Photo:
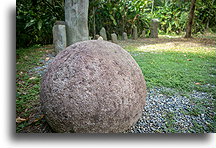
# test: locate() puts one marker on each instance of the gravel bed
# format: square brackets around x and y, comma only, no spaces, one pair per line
[173,113]
[176,113]
[40,70]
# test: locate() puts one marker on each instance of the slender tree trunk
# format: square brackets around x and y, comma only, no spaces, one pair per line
[123,19]
[123,24]
[94,26]
[190,19]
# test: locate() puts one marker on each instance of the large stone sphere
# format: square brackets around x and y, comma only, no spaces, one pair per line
[93,87]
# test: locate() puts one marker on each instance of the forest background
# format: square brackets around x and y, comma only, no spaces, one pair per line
[35,18]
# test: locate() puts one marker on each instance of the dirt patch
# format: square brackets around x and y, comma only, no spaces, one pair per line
[168,43]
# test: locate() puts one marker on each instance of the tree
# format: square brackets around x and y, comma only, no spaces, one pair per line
[190,19]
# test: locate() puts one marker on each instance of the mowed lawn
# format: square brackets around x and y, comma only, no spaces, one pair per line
[182,64]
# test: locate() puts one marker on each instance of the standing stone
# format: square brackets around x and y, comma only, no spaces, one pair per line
[154,28]
[114,38]
[143,34]
[103,33]
[59,36]
[76,18]
[124,36]
[135,36]
[93,86]
[100,38]
[96,36]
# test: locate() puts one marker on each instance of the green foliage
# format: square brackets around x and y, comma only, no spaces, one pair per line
[205,16]
[122,15]
[117,16]
[34,21]
[172,18]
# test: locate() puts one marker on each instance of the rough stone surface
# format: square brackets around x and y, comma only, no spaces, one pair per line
[135,35]
[143,34]
[124,36]
[59,36]
[93,87]
[114,38]
[100,38]
[154,28]
[76,18]
[60,23]
[103,33]
[96,36]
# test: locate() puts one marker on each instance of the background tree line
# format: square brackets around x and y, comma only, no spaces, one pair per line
[35,18]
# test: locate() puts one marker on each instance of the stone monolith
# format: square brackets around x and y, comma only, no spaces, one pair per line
[76,18]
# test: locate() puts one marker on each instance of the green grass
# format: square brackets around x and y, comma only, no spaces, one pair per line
[187,70]
[170,123]
[182,65]
[27,82]
[27,88]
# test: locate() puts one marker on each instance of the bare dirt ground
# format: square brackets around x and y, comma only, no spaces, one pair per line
[169,43]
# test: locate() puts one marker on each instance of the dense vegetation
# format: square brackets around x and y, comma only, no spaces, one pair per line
[35,18]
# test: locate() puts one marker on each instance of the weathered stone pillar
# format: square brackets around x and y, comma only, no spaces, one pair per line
[114,38]
[124,36]
[96,36]
[103,33]
[59,36]
[143,34]
[135,36]
[154,28]
[100,38]
[76,18]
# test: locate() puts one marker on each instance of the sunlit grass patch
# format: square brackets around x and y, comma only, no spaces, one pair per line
[184,67]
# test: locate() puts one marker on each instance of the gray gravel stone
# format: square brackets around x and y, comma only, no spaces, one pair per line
[162,110]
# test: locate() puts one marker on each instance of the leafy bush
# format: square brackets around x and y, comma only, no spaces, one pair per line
[205,16]
[34,21]
[173,18]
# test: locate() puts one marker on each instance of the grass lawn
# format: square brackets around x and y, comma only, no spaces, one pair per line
[181,64]
[28,86]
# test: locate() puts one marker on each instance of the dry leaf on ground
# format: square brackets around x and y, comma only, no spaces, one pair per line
[19,120]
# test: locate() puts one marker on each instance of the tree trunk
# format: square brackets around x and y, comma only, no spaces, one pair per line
[94,25]
[190,19]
